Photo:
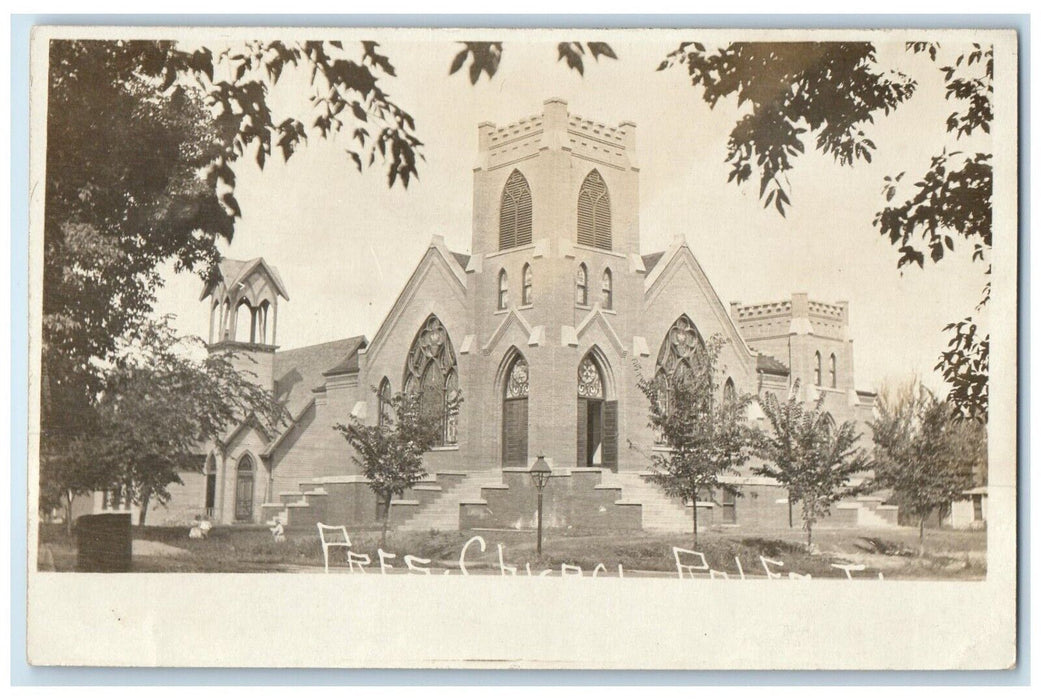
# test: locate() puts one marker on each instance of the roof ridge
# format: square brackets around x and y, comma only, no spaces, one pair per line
[322,344]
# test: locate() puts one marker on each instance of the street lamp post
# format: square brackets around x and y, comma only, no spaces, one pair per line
[540,473]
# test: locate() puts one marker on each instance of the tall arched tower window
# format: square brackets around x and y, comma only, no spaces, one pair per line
[526,285]
[594,212]
[515,212]
[817,369]
[582,285]
[607,289]
[832,378]
[430,370]
[504,291]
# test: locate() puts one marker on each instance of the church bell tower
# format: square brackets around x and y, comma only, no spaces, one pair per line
[244,298]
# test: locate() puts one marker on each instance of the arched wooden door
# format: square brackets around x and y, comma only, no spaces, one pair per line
[597,419]
[244,478]
[515,416]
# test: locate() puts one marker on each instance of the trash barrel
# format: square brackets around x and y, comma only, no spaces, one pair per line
[103,542]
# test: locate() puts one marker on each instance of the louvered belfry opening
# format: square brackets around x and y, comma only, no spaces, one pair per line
[515,212]
[594,212]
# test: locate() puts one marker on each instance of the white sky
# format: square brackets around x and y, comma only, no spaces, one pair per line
[345,244]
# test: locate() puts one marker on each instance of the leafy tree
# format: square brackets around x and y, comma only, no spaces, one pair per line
[952,200]
[142,140]
[703,429]
[484,56]
[390,453]
[811,457]
[162,399]
[65,477]
[923,451]
[791,92]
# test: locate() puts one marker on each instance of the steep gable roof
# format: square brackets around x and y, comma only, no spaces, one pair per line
[234,271]
[299,371]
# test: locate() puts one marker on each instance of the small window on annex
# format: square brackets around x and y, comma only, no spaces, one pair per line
[607,289]
[526,280]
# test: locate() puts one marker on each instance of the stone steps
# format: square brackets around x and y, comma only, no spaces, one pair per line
[443,513]
[660,512]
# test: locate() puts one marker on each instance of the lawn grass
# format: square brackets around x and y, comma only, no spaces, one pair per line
[950,554]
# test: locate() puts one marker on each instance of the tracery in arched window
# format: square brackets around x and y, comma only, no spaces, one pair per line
[430,370]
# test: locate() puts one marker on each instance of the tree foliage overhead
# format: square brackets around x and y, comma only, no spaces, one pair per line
[951,202]
[484,56]
[703,429]
[142,140]
[790,92]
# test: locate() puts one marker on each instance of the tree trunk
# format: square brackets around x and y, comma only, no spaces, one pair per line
[921,536]
[695,509]
[790,520]
[386,521]
[809,535]
[144,510]
[68,512]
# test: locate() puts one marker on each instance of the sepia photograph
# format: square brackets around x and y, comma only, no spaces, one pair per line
[603,333]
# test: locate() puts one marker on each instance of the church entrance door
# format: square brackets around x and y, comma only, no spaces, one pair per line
[515,433]
[244,490]
[594,432]
[515,416]
[597,420]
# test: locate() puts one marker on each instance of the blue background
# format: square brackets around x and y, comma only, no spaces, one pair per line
[23,674]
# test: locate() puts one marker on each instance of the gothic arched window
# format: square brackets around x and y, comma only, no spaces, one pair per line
[607,289]
[678,349]
[829,423]
[386,407]
[594,212]
[515,212]
[243,315]
[582,286]
[504,291]
[817,369]
[831,371]
[526,285]
[729,391]
[430,370]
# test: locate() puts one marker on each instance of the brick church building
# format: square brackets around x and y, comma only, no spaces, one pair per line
[539,328]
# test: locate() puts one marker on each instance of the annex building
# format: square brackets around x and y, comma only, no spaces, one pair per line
[540,327]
